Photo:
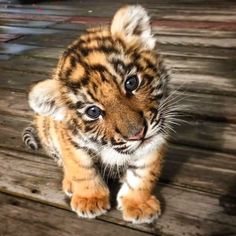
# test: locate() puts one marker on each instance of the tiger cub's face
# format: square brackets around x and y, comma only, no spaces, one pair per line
[108,86]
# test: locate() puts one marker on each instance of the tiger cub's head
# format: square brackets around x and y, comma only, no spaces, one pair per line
[109,85]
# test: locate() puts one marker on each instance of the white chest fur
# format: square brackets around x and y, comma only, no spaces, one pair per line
[111,157]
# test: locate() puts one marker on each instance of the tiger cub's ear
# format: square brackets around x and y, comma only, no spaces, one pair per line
[132,23]
[44,98]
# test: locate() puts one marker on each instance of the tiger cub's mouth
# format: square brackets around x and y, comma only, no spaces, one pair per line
[132,146]
[146,141]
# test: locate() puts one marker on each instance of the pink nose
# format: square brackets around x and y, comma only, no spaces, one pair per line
[139,135]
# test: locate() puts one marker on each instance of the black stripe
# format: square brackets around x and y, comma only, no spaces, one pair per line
[91,39]
[122,150]
[30,138]
[89,127]
[117,130]
[79,105]
[129,186]
[107,50]
[154,112]
[85,81]
[137,167]
[136,174]
[92,96]
[73,61]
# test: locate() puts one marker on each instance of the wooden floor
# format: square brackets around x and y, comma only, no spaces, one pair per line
[198,184]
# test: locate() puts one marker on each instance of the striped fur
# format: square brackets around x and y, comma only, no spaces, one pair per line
[129,133]
[30,138]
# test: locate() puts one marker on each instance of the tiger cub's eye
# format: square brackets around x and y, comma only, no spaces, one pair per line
[131,83]
[93,112]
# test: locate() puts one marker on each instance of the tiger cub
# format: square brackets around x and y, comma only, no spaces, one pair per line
[106,104]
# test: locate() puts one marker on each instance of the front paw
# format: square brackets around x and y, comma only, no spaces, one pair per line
[90,207]
[140,211]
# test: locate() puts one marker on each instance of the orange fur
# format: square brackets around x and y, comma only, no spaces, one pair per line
[96,71]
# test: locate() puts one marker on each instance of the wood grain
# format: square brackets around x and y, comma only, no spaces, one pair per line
[184,166]
[197,186]
[40,181]
[22,217]
[204,106]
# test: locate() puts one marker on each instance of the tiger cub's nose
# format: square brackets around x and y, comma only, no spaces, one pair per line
[139,135]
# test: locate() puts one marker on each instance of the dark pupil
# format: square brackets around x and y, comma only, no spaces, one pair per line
[93,112]
[131,83]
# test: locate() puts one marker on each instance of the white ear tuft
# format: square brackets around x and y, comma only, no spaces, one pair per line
[44,98]
[132,23]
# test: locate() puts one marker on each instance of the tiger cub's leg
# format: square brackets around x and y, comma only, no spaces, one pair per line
[135,197]
[89,193]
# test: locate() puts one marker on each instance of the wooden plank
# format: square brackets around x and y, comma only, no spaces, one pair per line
[60,40]
[200,169]
[17,80]
[26,23]
[207,66]
[33,17]
[38,178]
[217,136]
[14,103]
[94,10]
[168,51]
[183,79]
[31,50]
[191,21]
[24,217]
[70,26]
[191,74]
[187,212]
[8,37]
[184,166]
[208,106]
[16,49]
[181,39]
[194,51]
[40,11]
[178,48]
[161,27]
[212,107]
[207,20]
[28,30]
[201,65]
[29,64]
[193,29]
[225,7]
[202,83]
[225,40]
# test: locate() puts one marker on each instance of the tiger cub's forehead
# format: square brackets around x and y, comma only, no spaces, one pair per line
[98,63]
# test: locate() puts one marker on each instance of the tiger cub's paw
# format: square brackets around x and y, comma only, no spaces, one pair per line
[87,206]
[90,207]
[139,212]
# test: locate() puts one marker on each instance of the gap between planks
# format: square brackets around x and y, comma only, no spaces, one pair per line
[185,166]
[40,181]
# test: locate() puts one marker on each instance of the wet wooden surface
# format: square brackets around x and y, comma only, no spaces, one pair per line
[198,183]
